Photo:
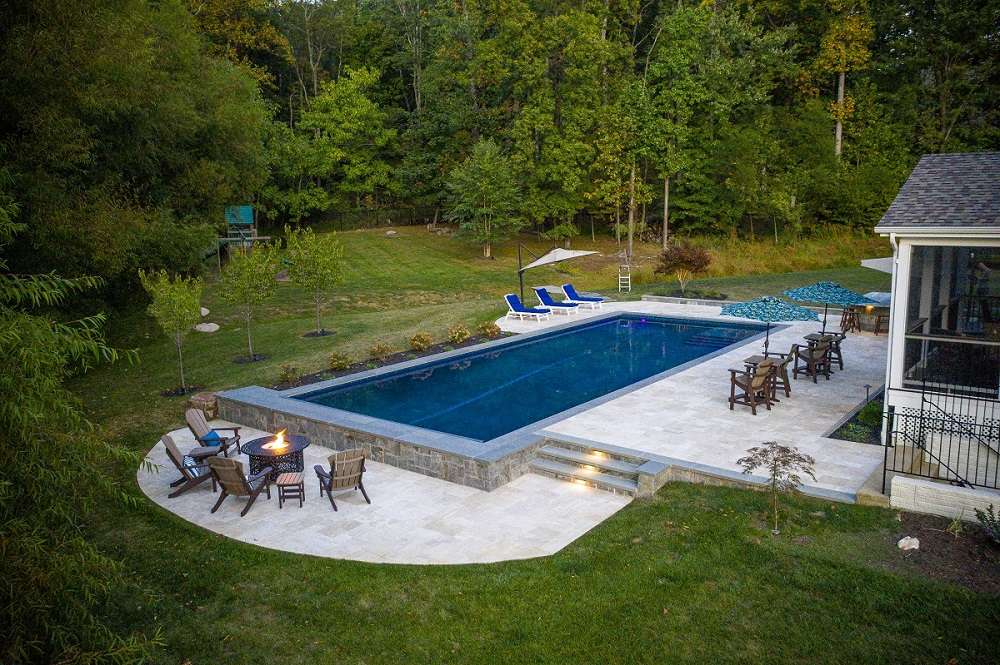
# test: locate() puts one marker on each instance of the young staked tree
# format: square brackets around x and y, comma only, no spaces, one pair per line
[844,48]
[484,196]
[176,307]
[782,464]
[248,281]
[315,264]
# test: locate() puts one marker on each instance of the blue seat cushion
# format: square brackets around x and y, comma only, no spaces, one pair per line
[213,438]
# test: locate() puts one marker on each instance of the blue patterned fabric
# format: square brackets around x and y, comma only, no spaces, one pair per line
[828,293]
[769,310]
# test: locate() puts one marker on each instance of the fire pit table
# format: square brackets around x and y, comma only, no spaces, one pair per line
[284,456]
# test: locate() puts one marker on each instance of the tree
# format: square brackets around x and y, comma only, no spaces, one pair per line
[677,86]
[352,137]
[176,307]
[241,30]
[484,197]
[248,281]
[844,49]
[295,190]
[149,136]
[684,260]
[55,581]
[783,464]
[315,264]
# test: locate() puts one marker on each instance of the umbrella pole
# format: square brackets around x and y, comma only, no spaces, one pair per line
[767,337]
[825,306]
[520,271]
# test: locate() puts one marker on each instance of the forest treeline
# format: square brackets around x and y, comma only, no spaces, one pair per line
[128,125]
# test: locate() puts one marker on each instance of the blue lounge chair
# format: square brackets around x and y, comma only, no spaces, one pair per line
[519,311]
[546,300]
[590,302]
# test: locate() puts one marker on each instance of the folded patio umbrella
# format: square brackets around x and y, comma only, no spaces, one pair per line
[828,293]
[769,309]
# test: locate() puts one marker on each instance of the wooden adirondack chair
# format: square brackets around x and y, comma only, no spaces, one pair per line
[192,466]
[207,436]
[229,475]
[346,471]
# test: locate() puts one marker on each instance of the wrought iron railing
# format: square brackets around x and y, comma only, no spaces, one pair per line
[944,436]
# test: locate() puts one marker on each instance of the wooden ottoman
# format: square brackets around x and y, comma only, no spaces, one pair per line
[290,486]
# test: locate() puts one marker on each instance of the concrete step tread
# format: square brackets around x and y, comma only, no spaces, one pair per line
[575,471]
[575,456]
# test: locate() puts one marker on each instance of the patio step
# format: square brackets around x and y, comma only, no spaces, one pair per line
[578,474]
[613,470]
[602,461]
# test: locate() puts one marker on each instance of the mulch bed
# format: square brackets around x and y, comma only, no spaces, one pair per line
[179,392]
[322,333]
[243,360]
[970,560]
[372,363]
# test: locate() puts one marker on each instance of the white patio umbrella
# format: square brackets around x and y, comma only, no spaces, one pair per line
[553,256]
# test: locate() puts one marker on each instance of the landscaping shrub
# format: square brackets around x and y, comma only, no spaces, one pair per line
[684,261]
[380,350]
[337,362]
[871,415]
[458,333]
[421,342]
[489,329]
[857,432]
[990,522]
[289,375]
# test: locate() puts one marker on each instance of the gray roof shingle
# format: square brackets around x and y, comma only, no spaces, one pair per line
[949,190]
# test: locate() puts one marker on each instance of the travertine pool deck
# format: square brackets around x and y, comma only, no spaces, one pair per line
[412,519]
[684,419]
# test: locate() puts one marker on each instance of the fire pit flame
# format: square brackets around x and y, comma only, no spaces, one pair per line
[278,443]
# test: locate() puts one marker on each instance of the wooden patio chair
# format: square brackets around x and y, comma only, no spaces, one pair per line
[192,466]
[207,436]
[756,387]
[781,380]
[815,360]
[836,355]
[230,476]
[347,468]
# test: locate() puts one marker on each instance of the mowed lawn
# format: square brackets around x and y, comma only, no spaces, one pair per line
[692,575]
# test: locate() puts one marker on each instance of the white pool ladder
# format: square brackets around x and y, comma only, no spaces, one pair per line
[624,279]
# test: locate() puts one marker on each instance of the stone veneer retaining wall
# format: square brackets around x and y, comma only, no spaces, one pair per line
[484,474]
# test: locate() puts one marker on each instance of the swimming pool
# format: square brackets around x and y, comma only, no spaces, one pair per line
[488,393]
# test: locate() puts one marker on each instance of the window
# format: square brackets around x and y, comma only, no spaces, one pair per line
[953,320]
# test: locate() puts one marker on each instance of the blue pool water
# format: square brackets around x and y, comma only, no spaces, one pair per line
[491,392]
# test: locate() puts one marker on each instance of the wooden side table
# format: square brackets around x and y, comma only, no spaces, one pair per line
[291,486]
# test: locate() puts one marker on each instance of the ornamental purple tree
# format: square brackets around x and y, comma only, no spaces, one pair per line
[783,464]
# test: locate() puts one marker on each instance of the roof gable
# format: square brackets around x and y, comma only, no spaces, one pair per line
[948,191]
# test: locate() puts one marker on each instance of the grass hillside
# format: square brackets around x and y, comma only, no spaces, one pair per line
[691,575]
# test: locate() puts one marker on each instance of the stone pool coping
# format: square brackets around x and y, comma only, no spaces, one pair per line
[485,465]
